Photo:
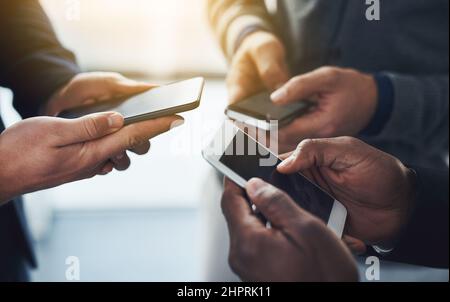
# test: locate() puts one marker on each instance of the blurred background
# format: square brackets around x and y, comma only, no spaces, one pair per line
[160,220]
[163,39]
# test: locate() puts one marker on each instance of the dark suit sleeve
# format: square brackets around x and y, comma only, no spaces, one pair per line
[33,64]
[425,239]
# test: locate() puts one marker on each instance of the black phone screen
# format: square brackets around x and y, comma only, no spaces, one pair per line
[306,194]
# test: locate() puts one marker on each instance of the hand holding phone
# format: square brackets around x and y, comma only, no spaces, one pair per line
[158,102]
[240,158]
[259,111]
[298,247]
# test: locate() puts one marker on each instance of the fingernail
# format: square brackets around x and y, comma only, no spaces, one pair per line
[115,120]
[177,123]
[286,162]
[279,95]
[254,186]
[119,157]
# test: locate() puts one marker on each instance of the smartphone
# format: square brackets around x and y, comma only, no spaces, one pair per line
[158,102]
[259,111]
[240,158]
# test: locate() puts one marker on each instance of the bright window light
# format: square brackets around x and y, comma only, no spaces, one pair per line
[147,37]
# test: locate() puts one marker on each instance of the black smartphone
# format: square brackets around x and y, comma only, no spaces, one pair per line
[259,111]
[158,102]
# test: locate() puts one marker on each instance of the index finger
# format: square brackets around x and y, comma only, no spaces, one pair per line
[237,211]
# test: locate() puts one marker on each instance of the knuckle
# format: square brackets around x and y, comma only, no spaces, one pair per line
[348,140]
[310,226]
[274,202]
[328,70]
[307,144]
[134,141]
[332,74]
[91,127]
[351,143]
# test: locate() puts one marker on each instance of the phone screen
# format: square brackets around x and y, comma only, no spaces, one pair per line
[306,194]
[156,100]
[261,107]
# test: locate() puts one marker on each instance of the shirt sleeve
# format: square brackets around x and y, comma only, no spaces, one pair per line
[425,239]
[33,63]
[232,20]
[415,112]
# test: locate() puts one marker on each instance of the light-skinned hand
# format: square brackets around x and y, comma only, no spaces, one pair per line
[258,65]
[45,152]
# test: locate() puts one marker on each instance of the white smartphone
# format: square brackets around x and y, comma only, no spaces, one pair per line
[240,158]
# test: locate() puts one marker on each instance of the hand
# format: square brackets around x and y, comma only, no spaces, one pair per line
[90,88]
[346,102]
[94,87]
[298,247]
[258,65]
[45,152]
[376,188]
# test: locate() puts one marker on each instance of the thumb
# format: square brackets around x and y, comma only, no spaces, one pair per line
[334,153]
[89,127]
[133,135]
[303,87]
[274,204]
